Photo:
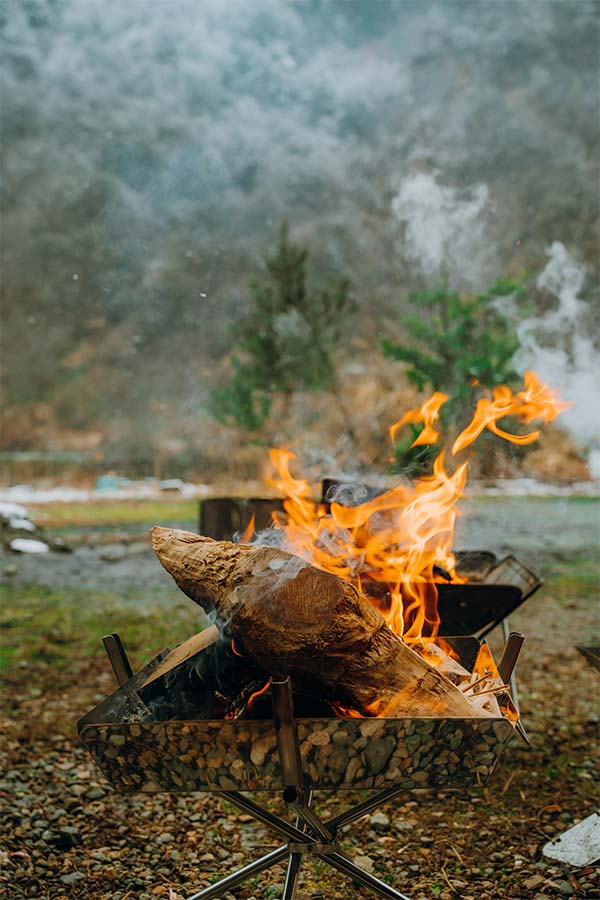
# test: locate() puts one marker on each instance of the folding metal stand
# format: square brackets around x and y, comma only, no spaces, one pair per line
[310,835]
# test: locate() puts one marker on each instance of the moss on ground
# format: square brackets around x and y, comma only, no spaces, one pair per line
[43,628]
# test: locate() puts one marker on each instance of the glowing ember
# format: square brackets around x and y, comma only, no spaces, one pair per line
[256,695]
[390,546]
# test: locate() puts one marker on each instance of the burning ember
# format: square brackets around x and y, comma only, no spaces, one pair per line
[396,546]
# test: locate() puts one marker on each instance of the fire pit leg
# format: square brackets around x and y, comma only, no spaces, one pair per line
[340,862]
[293,869]
[322,840]
[310,835]
[291,878]
[231,881]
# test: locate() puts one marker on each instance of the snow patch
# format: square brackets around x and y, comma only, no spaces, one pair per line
[12,511]
[21,525]
[28,545]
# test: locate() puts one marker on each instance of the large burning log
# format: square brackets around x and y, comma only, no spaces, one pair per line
[289,617]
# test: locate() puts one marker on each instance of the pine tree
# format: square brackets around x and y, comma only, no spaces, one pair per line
[456,344]
[287,341]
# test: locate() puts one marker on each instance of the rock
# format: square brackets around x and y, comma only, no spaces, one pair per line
[10,511]
[366,863]
[21,524]
[63,838]
[95,793]
[165,838]
[533,882]
[339,759]
[380,822]
[70,835]
[60,545]
[378,752]
[72,877]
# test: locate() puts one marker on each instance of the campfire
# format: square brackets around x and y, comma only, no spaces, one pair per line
[347,600]
[339,600]
[397,546]
[341,596]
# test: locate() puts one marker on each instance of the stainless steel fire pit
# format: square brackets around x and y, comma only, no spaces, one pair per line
[136,753]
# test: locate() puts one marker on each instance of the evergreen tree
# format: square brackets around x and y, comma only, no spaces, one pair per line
[287,341]
[455,344]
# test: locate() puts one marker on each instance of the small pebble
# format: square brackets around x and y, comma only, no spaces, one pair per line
[380,822]
[72,877]
[95,793]
[366,863]
[165,838]
[533,882]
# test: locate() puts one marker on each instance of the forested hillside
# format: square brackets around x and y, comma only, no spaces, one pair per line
[150,151]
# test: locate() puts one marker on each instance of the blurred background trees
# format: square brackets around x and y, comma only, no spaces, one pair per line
[147,160]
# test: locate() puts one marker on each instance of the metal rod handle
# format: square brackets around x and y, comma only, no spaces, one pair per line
[118,658]
[510,655]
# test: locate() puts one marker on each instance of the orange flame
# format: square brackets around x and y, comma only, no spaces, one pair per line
[248,532]
[537,401]
[235,649]
[428,414]
[390,546]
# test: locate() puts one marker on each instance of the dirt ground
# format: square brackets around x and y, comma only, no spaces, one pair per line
[66,834]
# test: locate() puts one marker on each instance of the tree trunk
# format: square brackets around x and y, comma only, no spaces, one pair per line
[292,618]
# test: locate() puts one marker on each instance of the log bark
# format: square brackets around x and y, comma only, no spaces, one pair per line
[292,618]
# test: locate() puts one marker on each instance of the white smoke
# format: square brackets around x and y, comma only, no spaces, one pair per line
[559,346]
[447,234]
[446,230]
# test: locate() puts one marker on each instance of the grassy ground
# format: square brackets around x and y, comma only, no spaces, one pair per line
[113,512]
[47,629]
[67,835]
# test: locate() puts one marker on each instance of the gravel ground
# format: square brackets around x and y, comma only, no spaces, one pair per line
[66,834]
